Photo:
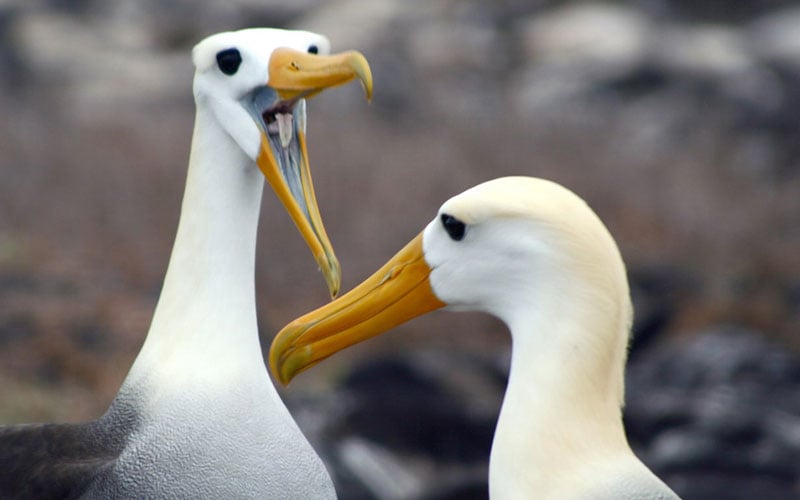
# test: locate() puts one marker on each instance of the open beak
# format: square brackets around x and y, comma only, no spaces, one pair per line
[280,112]
[396,293]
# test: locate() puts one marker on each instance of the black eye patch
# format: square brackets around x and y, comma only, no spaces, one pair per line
[454,227]
[229,60]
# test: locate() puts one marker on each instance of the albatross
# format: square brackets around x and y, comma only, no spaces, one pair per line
[533,254]
[197,415]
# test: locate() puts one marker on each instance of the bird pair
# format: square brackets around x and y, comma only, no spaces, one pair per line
[197,415]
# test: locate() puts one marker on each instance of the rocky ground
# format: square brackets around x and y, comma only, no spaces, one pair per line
[678,121]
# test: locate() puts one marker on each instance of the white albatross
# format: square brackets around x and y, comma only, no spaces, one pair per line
[197,415]
[536,256]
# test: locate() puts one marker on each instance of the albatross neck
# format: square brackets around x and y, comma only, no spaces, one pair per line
[562,407]
[205,320]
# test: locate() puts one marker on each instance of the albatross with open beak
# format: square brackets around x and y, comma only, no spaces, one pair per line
[536,256]
[197,415]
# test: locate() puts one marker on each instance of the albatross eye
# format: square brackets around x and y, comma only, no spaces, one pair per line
[454,227]
[229,60]
[313,49]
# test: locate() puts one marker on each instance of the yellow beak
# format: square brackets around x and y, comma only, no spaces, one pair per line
[283,157]
[396,293]
[299,74]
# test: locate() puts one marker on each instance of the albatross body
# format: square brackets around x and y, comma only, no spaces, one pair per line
[197,415]
[536,256]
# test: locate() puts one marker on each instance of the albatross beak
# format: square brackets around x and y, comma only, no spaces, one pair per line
[283,156]
[396,293]
[299,74]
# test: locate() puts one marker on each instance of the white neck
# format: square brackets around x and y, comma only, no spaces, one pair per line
[561,416]
[205,321]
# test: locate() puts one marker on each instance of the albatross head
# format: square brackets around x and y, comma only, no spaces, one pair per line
[523,249]
[255,82]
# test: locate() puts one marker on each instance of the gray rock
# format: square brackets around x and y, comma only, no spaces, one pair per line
[707,51]
[586,34]
[363,24]
[776,37]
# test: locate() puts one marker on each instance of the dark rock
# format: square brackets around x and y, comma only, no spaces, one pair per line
[473,488]
[705,11]
[90,336]
[656,292]
[416,415]
[712,484]
[16,328]
[721,405]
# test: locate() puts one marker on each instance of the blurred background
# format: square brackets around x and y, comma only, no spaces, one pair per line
[677,120]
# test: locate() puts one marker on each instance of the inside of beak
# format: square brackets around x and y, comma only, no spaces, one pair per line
[396,293]
[287,171]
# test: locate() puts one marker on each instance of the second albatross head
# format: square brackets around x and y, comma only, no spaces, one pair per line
[523,249]
[255,82]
